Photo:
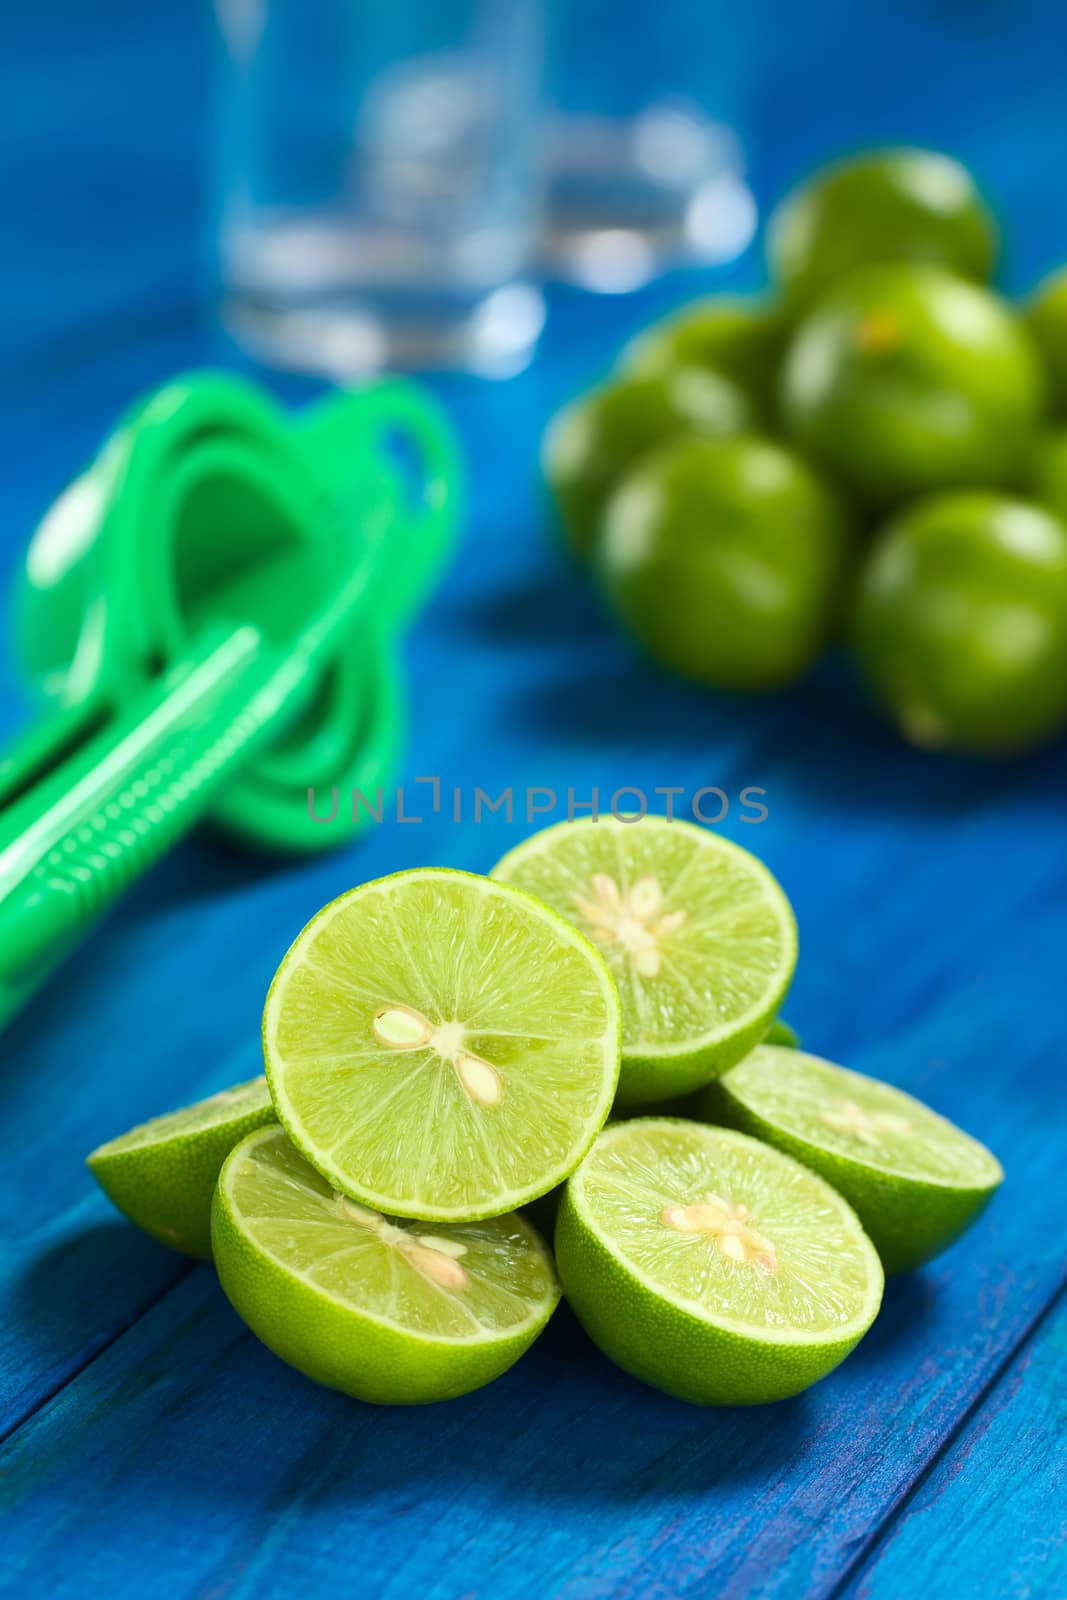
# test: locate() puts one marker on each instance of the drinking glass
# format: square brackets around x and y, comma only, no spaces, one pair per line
[643,163]
[378,182]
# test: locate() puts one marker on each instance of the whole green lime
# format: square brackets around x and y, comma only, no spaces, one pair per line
[726,559]
[739,337]
[889,205]
[1046,317]
[593,442]
[905,379]
[1048,476]
[960,622]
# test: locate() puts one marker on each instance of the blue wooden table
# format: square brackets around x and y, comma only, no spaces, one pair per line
[152,1447]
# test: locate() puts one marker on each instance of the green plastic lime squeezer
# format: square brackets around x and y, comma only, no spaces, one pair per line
[210,617]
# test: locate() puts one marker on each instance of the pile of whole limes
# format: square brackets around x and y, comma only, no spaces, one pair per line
[878,451]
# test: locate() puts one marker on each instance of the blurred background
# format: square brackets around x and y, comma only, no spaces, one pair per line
[150,154]
[146,147]
[456,186]
[130,133]
[395,191]
[462,188]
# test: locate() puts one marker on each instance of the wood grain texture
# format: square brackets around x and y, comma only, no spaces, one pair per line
[992,1513]
[563,1478]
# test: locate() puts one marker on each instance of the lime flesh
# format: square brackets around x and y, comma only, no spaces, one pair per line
[712,1266]
[162,1174]
[915,1180]
[377,1307]
[441,1046]
[699,935]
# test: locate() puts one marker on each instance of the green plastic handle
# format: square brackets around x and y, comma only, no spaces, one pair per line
[45,745]
[142,784]
[135,789]
[393,421]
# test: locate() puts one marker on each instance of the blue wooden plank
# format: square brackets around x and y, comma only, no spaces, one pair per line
[99,204]
[992,1514]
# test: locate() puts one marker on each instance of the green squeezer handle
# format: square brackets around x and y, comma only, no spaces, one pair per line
[89,805]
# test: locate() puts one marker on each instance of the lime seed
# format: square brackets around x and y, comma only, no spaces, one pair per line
[402,1028]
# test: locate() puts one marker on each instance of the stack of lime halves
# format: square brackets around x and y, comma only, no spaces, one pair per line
[443,1050]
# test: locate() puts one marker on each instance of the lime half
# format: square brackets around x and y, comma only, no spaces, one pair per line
[377,1307]
[915,1179]
[162,1174]
[712,1266]
[440,1046]
[699,935]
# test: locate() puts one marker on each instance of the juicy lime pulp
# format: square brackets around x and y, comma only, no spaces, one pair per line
[914,1178]
[378,1307]
[162,1173]
[699,935]
[441,1046]
[711,1265]
[860,1117]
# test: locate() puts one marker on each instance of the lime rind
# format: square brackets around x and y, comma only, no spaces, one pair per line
[915,1179]
[663,1305]
[162,1173]
[409,1134]
[228,1105]
[378,1307]
[724,935]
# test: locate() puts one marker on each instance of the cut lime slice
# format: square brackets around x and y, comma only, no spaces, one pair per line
[439,1046]
[712,1266]
[915,1179]
[377,1307]
[162,1174]
[698,933]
